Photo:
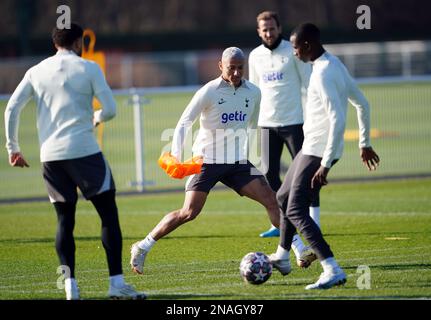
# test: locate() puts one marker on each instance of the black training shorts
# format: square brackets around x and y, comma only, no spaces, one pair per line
[235,176]
[91,174]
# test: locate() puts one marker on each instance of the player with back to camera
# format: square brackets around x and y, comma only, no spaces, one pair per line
[283,80]
[330,89]
[64,86]
[227,106]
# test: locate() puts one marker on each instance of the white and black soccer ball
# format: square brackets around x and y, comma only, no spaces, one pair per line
[255,268]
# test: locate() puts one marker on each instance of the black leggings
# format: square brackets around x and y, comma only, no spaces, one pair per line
[111,232]
[272,141]
[64,241]
[294,198]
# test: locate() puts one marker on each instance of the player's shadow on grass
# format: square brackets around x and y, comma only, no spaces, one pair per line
[205,236]
[47,240]
[28,240]
[410,285]
[291,284]
[388,267]
[377,233]
[181,296]
[125,239]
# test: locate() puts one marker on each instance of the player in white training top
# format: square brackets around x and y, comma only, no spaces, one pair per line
[330,89]
[283,80]
[227,108]
[63,87]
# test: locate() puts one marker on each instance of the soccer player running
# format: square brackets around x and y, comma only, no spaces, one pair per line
[282,79]
[63,86]
[228,107]
[330,89]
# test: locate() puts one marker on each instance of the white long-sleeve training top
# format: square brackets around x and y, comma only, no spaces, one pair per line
[281,78]
[226,116]
[330,89]
[63,86]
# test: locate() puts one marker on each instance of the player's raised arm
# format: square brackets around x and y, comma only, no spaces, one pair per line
[368,156]
[358,100]
[103,93]
[19,99]
[185,123]
[335,113]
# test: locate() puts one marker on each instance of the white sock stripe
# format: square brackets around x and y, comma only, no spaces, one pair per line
[315,214]
[297,245]
[147,243]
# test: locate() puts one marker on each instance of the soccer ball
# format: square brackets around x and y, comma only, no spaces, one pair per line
[255,268]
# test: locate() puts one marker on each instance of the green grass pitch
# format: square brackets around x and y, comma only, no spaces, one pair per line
[383,225]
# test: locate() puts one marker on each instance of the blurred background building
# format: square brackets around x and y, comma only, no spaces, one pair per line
[166,25]
[177,42]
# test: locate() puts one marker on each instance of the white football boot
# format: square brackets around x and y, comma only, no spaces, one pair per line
[328,280]
[282,265]
[137,258]
[126,292]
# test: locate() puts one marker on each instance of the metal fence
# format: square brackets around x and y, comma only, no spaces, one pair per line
[133,141]
[160,69]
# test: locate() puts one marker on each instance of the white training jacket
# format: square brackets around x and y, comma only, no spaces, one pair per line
[226,116]
[282,78]
[63,86]
[330,89]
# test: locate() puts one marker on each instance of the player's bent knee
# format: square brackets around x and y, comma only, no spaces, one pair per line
[187,215]
[269,199]
[273,207]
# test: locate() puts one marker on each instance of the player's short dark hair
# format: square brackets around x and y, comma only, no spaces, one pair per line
[268,15]
[307,32]
[66,37]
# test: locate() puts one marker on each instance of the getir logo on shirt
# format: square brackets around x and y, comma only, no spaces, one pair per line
[272,76]
[233,116]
